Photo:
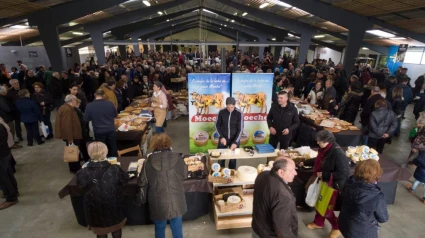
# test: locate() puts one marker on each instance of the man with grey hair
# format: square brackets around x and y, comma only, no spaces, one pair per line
[68,127]
[13,96]
[274,210]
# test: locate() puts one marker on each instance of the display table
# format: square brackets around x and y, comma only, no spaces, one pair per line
[197,192]
[343,138]
[241,218]
[127,139]
[388,183]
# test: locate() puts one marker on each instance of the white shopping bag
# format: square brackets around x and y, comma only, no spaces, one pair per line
[313,193]
[44,129]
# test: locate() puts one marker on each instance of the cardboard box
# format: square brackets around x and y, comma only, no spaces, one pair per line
[212,179]
[227,207]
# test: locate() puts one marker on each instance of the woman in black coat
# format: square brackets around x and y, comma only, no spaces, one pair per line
[102,184]
[163,174]
[397,106]
[364,205]
[46,104]
[351,102]
[136,88]
[330,162]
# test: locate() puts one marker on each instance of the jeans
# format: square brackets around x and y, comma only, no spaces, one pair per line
[175,224]
[32,132]
[7,180]
[415,185]
[365,131]
[110,140]
[232,162]
[159,130]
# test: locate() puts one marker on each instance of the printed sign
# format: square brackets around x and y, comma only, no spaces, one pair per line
[253,97]
[207,96]
[392,62]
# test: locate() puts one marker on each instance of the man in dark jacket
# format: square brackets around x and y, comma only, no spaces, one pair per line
[30,80]
[229,126]
[13,96]
[274,211]
[56,90]
[7,179]
[419,106]
[7,110]
[282,120]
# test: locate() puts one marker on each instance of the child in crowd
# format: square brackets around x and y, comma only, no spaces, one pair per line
[419,175]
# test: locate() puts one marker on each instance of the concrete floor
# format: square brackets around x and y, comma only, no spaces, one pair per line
[42,173]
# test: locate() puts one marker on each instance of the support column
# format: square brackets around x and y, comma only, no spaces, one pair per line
[145,48]
[99,47]
[121,48]
[223,60]
[50,37]
[354,42]
[305,41]
[250,50]
[277,49]
[135,41]
[261,52]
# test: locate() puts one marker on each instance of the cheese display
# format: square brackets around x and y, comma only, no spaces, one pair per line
[216,167]
[361,153]
[193,163]
[259,137]
[234,199]
[352,149]
[214,138]
[225,172]
[244,137]
[247,173]
[200,138]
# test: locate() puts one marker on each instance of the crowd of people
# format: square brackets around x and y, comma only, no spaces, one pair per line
[96,93]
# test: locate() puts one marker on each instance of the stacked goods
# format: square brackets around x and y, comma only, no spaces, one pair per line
[361,153]
[219,175]
[229,199]
[132,122]
[247,173]
[194,163]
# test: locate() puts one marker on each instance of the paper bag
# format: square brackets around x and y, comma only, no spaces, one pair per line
[71,154]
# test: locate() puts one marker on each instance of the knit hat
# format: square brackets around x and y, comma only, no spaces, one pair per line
[230,101]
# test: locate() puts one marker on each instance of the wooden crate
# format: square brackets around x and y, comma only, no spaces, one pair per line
[212,179]
[229,207]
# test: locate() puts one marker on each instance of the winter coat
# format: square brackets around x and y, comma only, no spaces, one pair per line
[419,106]
[65,83]
[281,118]
[382,121]
[407,95]
[28,110]
[397,105]
[368,108]
[7,109]
[341,85]
[329,98]
[364,207]
[67,126]
[164,174]
[43,97]
[55,88]
[103,205]
[351,106]
[135,90]
[233,119]
[420,169]
[337,164]
[316,96]
[274,210]
[110,96]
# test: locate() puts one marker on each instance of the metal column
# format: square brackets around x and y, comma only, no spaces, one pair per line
[50,37]
[99,48]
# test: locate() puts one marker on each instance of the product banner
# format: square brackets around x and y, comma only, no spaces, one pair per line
[207,95]
[253,97]
[392,62]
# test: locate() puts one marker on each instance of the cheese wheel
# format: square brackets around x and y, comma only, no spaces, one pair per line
[216,167]
[355,157]
[216,174]
[221,202]
[259,137]
[373,151]
[364,157]
[348,154]
[225,172]
[374,157]
[234,199]
[261,167]
[364,149]
[247,173]
[351,149]
[271,163]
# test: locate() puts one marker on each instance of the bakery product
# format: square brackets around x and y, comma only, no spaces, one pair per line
[200,138]
[244,137]
[351,149]
[373,151]
[259,137]
[355,157]
[247,173]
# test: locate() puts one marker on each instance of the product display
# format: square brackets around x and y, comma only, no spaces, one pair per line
[200,138]
[361,153]
[244,137]
[373,151]
[259,137]
[246,173]
[352,149]
[234,199]
[194,164]
[216,174]
[214,138]
[215,167]
[226,172]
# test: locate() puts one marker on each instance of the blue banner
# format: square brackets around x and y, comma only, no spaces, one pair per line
[392,62]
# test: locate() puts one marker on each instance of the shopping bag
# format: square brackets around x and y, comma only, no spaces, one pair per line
[313,193]
[44,129]
[327,199]
[71,154]
[413,132]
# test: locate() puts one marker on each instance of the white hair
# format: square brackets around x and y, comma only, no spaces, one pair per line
[3,90]
[12,81]
[69,98]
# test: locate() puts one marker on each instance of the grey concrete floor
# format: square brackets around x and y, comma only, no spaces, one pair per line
[42,173]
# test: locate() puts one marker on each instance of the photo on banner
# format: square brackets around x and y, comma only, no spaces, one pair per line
[253,97]
[207,95]
[392,62]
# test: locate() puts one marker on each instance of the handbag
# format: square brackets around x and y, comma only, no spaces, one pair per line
[142,196]
[71,154]
[313,193]
[327,198]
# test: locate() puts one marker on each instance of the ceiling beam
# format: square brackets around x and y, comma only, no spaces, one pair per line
[66,12]
[89,43]
[127,17]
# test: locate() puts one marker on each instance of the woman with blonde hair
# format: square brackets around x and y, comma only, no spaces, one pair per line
[102,184]
[162,180]
[364,205]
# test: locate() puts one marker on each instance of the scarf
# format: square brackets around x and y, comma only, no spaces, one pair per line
[319,159]
[156,94]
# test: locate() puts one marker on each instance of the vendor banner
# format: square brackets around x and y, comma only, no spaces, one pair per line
[253,97]
[392,60]
[207,95]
